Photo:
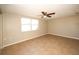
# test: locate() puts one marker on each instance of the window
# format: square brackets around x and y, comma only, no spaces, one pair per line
[28,24]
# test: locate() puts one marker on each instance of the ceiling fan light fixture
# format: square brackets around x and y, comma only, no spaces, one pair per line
[45,17]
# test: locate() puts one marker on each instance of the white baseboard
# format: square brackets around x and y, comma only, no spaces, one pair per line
[66,36]
[23,40]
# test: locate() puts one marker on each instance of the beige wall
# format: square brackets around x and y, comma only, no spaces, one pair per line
[0,31]
[12,30]
[66,26]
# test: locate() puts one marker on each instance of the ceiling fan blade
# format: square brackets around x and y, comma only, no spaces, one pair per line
[51,13]
[49,16]
[44,13]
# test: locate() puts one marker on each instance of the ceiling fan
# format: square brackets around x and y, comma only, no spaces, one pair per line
[45,14]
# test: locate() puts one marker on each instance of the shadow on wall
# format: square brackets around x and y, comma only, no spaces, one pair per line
[66,27]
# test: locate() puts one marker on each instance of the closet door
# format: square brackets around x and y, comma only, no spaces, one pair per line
[0,33]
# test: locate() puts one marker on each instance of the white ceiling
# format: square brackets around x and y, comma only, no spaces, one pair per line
[34,10]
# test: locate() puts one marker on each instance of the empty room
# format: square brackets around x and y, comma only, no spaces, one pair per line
[39,29]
